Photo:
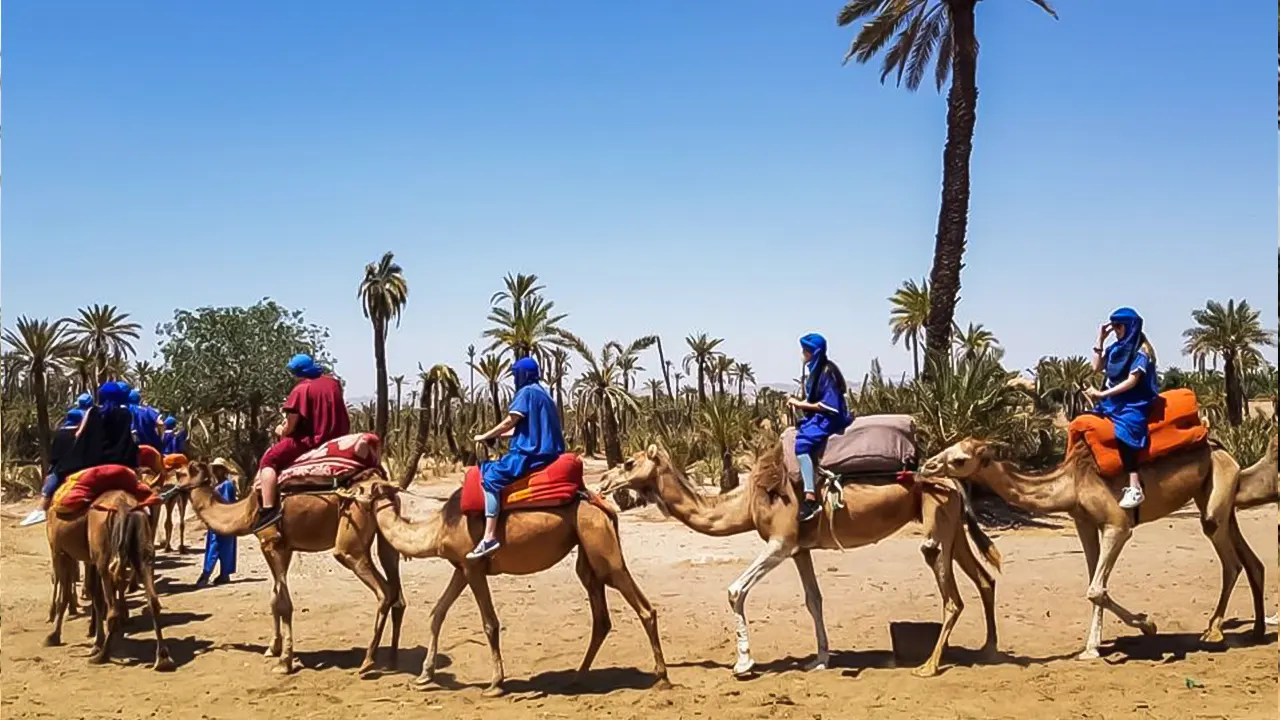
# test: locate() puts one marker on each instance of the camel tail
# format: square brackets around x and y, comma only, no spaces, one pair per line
[130,543]
[986,546]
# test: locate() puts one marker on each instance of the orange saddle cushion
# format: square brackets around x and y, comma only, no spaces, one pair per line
[1174,424]
[149,459]
[557,484]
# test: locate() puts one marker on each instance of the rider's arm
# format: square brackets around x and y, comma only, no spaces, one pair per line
[502,429]
[290,424]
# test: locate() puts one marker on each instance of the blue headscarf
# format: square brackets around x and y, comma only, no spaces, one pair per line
[170,423]
[74,416]
[112,395]
[525,372]
[135,397]
[84,402]
[1121,354]
[817,347]
[304,367]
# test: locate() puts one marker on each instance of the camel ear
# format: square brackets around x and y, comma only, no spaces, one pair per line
[652,452]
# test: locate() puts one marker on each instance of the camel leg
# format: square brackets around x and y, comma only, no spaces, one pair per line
[355,558]
[938,556]
[278,558]
[479,583]
[1225,547]
[389,558]
[1113,540]
[774,553]
[163,663]
[168,525]
[600,622]
[456,585]
[1256,572]
[181,509]
[813,601]
[113,598]
[986,584]
[63,591]
[97,606]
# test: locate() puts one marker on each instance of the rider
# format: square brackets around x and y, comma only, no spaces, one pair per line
[84,402]
[536,441]
[147,427]
[63,439]
[1129,365]
[826,413]
[314,413]
[174,440]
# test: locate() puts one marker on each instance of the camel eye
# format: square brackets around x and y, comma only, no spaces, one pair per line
[629,464]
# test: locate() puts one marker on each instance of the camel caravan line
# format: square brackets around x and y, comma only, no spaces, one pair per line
[338,499]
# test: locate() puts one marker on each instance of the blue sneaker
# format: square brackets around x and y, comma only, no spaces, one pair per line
[484,549]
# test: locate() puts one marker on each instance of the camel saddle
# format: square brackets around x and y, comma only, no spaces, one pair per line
[874,447]
[1173,424]
[333,465]
[559,483]
[82,488]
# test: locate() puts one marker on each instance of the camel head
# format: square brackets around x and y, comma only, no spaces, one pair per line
[961,461]
[640,472]
[193,475]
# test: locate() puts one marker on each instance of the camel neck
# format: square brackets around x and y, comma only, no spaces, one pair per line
[411,539]
[224,518]
[1053,491]
[724,515]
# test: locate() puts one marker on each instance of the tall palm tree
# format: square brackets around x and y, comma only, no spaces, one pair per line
[666,368]
[655,388]
[529,326]
[80,366]
[37,345]
[383,293]
[143,371]
[492,369]
[974,341]
[916,32]
[1233,332]
[909,316]
[743,374]
[471,369]
[1063,382]
[722,370]
[702,349]
[725,426]
[106,335]
[601,387]
[443,383]
[398,381]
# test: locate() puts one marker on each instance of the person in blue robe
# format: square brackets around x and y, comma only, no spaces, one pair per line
[1129,367]
[174,440]
[220,550]
[146,421]
[533,424]
[825,412]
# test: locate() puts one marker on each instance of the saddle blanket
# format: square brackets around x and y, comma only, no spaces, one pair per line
[334,462]
[1173,425]
[82,488]
[557,484]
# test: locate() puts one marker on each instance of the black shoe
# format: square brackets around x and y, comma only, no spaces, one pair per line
[203,581]
[809,509]
[222,580]
[266,518]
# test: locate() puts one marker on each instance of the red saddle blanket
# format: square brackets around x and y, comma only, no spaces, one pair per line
[555,485]
[335,461]
[149,459]
[82,488]
[1174,424]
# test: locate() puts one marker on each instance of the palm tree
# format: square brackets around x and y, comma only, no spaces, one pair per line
[724,426]
[701,351]
[974,341]
[442,382]
[36,345]
[909,316]
[142,372]
[743,374]
[655,388]
[666,368]
[471,369]
[106,335]
[1063,382]
[383,293]
[925,29]
[398,381]
[722,371]
[600,386]
[492,369]
[529,326]
[79,365]
[1233,332]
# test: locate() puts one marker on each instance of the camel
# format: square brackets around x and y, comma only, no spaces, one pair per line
[112,537]
[768,505]
[533,540]
[1257,485]
[317,522]
[1203,473]
[175,504]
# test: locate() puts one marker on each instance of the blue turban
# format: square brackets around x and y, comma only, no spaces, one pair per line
[817,347]
[85,401]
[74,416]
[170,423]
[304,367]
[526,372]
[1121,354]
[112,395]
[135,397]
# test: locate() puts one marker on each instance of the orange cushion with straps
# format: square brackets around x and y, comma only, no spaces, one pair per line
[1173,425]
[555,485]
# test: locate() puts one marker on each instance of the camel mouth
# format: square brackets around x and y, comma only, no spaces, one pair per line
[611,481]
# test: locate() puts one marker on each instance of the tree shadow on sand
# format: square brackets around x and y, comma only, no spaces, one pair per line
[408,661]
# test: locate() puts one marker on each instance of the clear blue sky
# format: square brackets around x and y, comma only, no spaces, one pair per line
[667,167]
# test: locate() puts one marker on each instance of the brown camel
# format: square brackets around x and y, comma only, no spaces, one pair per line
[318,522]
[113,538]
[767,504]
[532,541]
[1203,473]
[175,504]
[1257,486]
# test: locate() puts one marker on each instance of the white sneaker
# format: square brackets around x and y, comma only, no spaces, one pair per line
[36,516]
[1274,619]
[1131,498]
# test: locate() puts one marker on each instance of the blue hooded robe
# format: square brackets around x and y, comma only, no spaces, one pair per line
[221,549]
[1128,411]
[537,440]
[824,385]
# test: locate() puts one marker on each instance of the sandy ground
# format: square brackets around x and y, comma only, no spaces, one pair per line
[217,636]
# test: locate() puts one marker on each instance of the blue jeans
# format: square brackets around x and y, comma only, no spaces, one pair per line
[807,472]
[51,485]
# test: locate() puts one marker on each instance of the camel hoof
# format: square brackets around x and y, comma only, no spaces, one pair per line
[493,691]
[273,651]
[164,663]
[744,668]
[283,667]
[662,684]
[366,667]
[182,549]
[819,664]
[53,640]
[1212,637]
[925,671]
[424,679]
[97,658]
[1148,628]
[1088,655]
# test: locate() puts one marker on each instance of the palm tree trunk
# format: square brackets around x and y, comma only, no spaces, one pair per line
[42,415]
[420,444]
[612,445]
[702,388]
[728,474]
[380,359]
[497,408]
[666,371]
[1235,393]
[953,213]
[915,353]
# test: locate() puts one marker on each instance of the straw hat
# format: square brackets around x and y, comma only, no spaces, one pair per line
[225,464]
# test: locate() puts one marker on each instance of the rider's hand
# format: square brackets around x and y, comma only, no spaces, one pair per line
[479,439]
